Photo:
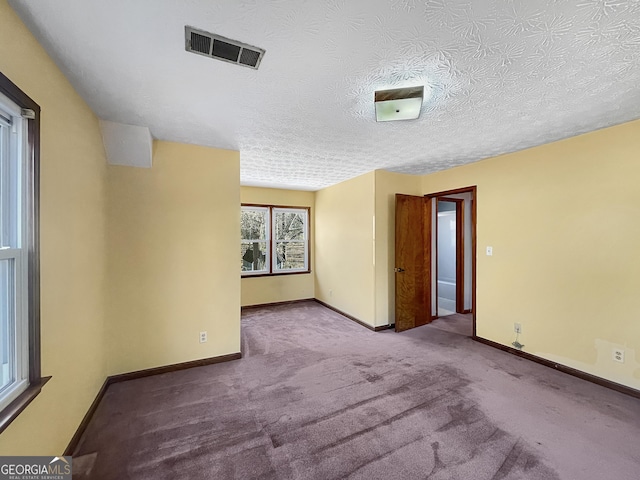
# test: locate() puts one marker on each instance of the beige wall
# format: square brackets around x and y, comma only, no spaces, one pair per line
[355,241]
[280,288]
[345,247]
[72,222]
[386,187]
[171,275]
[562,221]
[355,238]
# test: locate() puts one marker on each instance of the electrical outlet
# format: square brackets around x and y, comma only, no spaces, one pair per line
[203,337]
[489,251]
[618,355]
[517,327]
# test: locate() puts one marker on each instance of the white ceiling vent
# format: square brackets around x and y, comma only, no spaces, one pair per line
[221,48]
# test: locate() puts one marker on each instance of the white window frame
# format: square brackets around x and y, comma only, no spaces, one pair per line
[13,244]
[274,212]
[267,240]
[21,211]
[271,265]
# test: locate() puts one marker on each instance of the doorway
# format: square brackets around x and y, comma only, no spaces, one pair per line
[454,261]
[449,228]
[436,260]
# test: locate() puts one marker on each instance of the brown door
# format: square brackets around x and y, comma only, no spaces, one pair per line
[413,261]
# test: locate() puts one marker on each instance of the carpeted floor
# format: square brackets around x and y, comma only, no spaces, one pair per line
[460,323]
[317,396]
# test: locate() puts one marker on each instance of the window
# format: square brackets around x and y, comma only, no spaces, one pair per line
[274,240]
[20,378]
[254,233]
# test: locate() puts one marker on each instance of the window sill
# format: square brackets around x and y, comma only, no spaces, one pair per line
[279,274]
[15,408]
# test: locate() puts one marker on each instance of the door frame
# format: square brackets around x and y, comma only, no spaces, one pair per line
[474,215]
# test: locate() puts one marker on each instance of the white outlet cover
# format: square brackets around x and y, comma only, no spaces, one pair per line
[489,251]
[618,355]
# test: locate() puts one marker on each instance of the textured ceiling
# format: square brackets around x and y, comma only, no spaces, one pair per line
[499,76]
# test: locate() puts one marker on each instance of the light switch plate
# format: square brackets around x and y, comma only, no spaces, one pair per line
[489,251]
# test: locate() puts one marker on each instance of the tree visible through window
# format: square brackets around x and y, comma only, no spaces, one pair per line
[274,240]
[290,235]
[254,228]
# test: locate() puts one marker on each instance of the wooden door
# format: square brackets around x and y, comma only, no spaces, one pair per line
[413,261]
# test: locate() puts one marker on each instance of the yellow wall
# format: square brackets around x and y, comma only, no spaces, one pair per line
[562,221]
[281,288]
[72,222]
[387,185]
[355,244]
[170,273]
[345,247]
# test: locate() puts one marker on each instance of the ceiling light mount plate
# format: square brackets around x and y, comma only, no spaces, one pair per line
[399,104]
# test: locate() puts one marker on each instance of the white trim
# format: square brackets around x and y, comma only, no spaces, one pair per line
[10,107]
[5,180]
[9,253]
[271,264]
[305,240]
[11,393]
[13,245]
[265,240]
